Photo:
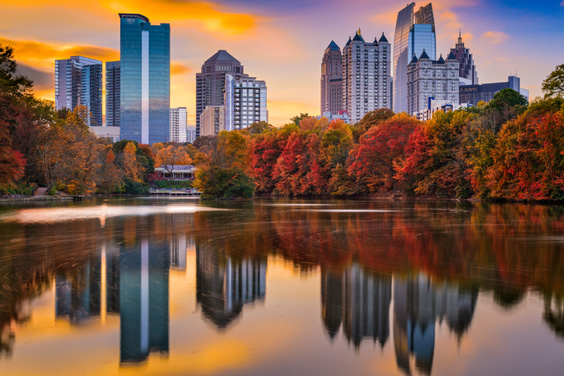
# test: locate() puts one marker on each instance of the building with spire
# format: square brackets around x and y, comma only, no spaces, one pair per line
[210,82]
[468,73]
[367,79]
[332,80]
[415,32]
[429,79]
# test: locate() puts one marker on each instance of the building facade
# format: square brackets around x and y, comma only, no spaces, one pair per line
[245,102]
[429,80]
[210,82]
[191,134]
[178,124]
[332,79]
[366,76]
[78,82]
[473,94]
[415,32]
[468,74]
[212,120]
[112,94]
[144,80]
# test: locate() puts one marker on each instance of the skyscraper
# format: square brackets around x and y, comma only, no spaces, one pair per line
[112,94]
[78,81]
[366,76]
[178,123]
[415,32]
[210,83]
[468,73]
[332,80]
[144,79]
[245,102]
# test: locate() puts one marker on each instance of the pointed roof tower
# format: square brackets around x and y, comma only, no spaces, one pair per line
[358,37]
[383,39]
[414,60]
[451,56]
[424,56]
[441,60]
[333,46]
[221,55]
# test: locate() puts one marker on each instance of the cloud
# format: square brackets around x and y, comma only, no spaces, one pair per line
[213,17]
[562,4]
[495,37]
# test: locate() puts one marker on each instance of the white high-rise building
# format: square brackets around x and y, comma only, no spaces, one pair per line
[367,80]
[245,102]
[178,124]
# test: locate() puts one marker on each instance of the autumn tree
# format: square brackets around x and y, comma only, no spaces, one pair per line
[378,158]
[132,168]
[370,120]
[436,158]
[13,89]
[224,168]
[259,127]
[553,85]
[528,161]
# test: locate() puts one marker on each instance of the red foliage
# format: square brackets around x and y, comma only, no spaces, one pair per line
[378,156]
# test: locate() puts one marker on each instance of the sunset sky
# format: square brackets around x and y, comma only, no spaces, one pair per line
[281,42]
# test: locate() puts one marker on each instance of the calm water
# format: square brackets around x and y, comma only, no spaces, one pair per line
[180,287]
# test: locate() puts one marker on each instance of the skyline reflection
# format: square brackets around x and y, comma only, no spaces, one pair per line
[392,279]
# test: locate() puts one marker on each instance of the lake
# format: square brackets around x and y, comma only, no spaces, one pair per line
[156,286]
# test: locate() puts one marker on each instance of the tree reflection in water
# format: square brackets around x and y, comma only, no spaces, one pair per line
[425,263]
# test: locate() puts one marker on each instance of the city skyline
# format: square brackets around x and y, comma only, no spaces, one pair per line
[291,63]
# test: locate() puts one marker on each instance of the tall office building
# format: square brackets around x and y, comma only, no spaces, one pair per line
[78,81]
[210,83]
[366,76]
[212,120]
[332,80]
[468,74]
[415,32]
[432,80]
[178,123]
[245,102]
[145,80]
[112,94]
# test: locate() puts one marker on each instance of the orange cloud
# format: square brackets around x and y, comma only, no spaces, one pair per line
[212,17]
[495,37]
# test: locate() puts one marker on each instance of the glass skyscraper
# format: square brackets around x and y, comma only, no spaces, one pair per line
[112,94]
[78,81]
[415,32]
[145,80]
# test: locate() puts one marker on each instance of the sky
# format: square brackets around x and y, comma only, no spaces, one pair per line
[281,42]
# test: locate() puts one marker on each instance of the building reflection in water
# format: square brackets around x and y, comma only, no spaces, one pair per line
[136,286]
[224,284]
[418,304]
[358,300]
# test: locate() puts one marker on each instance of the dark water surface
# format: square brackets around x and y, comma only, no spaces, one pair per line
[179,287]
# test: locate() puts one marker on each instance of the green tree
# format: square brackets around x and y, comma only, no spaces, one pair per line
[553,86]
[259,127]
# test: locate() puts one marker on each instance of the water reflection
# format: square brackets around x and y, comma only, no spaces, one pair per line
[224,284]
[418,304]
[392,275]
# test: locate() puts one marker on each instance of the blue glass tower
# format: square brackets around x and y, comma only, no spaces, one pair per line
[145,80]
[415,32]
